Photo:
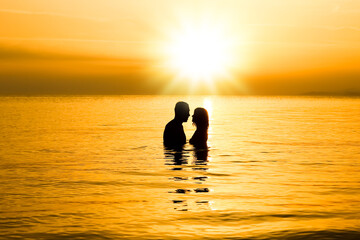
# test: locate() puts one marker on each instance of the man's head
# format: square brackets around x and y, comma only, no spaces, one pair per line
[182,111]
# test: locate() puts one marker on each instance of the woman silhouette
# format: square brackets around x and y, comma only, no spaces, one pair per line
[201,121]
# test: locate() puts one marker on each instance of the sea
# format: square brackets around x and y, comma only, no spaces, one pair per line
[94,167]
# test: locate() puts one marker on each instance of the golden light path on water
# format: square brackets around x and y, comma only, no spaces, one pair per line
[208,106]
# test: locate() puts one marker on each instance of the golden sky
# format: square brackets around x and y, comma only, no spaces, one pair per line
[122,47]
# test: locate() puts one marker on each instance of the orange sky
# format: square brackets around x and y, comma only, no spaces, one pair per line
[116,47]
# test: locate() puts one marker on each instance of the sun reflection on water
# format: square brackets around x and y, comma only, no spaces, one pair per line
[208,106]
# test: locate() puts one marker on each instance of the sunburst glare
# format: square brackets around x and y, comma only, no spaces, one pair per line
[200,55]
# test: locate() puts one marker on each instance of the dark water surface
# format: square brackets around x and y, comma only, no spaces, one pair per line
[95,168]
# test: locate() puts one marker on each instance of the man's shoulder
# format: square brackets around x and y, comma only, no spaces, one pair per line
[173,123]
[174,134]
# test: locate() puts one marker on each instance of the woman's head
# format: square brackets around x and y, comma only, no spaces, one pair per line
[201,118]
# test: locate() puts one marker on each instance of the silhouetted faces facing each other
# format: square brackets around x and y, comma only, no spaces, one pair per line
[201,118]
[182,111]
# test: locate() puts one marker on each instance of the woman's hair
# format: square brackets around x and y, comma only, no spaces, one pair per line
[201,118]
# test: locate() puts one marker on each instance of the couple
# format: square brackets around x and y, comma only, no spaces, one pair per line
[174,135]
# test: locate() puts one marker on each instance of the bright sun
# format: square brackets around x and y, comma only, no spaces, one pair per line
[200,55]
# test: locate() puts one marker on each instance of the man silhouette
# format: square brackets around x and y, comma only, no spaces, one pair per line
[174,135]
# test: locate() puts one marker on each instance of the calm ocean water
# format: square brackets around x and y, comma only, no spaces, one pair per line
[95,168]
